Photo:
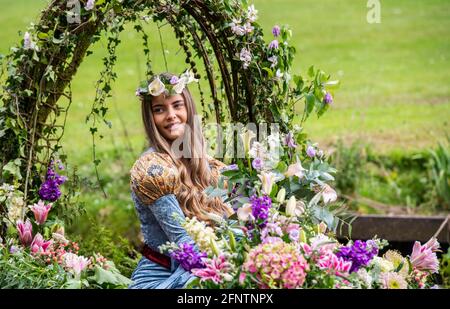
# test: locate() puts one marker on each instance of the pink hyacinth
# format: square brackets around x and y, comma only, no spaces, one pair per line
[40,211]
[423,257]
[214,270]
[39,245]
[334,264]
[75,263]
[25,232]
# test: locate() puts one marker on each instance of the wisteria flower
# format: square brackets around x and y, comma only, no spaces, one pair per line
[273,44]
[328,99]
[89,5]
[276,31]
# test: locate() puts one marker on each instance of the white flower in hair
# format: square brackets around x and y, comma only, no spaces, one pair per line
[179,86]
[156,87]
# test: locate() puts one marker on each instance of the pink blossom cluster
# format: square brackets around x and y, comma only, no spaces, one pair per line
[277,264]
[216,270]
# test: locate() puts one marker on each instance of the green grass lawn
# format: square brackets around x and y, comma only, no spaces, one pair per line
[395,75]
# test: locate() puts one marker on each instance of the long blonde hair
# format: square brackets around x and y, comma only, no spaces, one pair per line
[195,174]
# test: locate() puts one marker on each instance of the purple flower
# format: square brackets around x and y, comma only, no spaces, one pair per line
[360,253]
[273,60]
[174,80]
[232,167]
[328,99]
[188,257]
[49,190]
[276,31]
[257,164]
[273,44]
[260,209]
[311,152]
[289,140]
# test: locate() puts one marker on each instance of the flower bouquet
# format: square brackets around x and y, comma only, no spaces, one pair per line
[282,234]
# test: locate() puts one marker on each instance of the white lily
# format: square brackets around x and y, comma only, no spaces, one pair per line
[268,179]
[247,137]
[294,208]
[295,169]
[179,86]
[328,194]
[281,195]
[244,212]
[156,87]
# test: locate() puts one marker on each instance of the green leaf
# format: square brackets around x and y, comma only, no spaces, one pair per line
[311,71]
[310,101]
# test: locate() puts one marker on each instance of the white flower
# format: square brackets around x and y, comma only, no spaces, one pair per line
[274,60]
[179,86]
[258,151]
[278,74]
[248,28]
[156,87]
[90,5]
[247,137]
[328,194]
[189,76]
[76,263]
[28,42]
[246,57]
[365,277]
[295,169]
[294,208]
[268,179]
[202,235]
[383,264]
[252,13]
[244,212]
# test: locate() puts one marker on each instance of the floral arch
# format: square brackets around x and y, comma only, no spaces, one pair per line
[249,79]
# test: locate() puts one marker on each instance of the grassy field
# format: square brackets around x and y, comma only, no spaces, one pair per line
[395,75]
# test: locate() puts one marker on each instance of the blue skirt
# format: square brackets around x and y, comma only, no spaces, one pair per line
[150,275]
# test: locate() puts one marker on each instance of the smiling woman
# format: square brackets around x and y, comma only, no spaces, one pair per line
[163,184]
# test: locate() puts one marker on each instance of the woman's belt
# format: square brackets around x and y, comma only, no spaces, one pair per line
[156,257]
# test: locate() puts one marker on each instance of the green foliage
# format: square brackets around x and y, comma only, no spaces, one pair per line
[21,270]
[439,170]
[118,249]
[445,269]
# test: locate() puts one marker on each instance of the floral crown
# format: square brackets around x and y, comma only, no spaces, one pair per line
[161,83]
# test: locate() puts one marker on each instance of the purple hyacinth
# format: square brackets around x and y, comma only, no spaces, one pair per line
[257,163]
[260,209]
[273,44]
[328,99]
[311,152]
[188,257]
[49,190]
[360,253]
[276,31]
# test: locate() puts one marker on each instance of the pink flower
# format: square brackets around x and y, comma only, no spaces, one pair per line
[215,269]
[333,264]
[39,245]
[40,211]
[75,263]
[423,257]
[25,232]
[242,278]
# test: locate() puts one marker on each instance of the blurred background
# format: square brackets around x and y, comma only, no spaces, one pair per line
[387,130]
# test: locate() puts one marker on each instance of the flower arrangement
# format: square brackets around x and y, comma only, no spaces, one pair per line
[282,234]
[40,243]
[161,84]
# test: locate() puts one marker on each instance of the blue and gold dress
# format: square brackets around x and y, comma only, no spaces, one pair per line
[154,184]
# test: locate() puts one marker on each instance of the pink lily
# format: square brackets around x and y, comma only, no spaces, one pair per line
[40,211]
[423,257]
[39,245]
[75,262]
[25,232]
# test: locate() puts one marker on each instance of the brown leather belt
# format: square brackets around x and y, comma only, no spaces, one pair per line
[156,257]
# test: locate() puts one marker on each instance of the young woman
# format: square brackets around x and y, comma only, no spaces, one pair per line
[163,183]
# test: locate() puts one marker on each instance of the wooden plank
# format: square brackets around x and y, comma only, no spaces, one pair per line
[398,228]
